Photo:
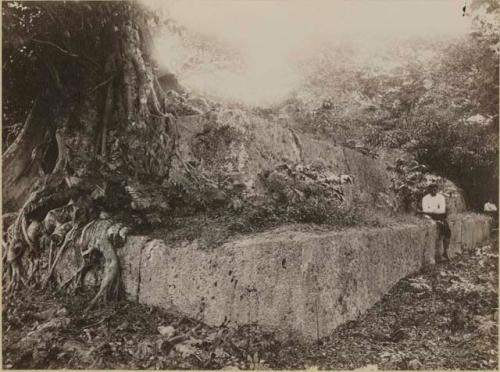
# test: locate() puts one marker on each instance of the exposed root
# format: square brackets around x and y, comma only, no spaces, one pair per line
[108,105]
[70,236]
[77,277]
[98,236]
[26,237]
[16,277]
[62,157]
[28,242]
[32,271]
[13,266]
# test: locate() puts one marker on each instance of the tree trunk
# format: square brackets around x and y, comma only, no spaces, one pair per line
[21,161]
[129,132]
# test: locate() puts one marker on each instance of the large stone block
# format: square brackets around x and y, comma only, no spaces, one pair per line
[467,234]
[456,238]
[130,256]
[304,283]
[307,283]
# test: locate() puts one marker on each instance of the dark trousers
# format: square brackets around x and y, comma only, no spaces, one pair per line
[494,221]
[443,231]
[444,228]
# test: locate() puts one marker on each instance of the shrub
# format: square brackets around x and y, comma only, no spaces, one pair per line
[321,211]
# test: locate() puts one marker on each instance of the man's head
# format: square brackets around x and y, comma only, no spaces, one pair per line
[432,188]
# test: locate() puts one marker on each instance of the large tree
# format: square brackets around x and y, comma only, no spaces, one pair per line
[80,78]
[82,108]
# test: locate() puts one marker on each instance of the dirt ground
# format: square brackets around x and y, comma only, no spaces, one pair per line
[444,317]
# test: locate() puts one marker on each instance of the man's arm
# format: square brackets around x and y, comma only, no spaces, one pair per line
[422,213]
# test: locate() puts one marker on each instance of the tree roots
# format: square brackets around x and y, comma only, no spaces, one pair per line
[31,243]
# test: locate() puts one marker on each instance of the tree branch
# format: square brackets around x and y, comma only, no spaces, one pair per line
[55,46]
[93,89]
[62,155]
[64,51]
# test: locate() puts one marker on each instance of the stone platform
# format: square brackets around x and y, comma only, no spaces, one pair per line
[303,283]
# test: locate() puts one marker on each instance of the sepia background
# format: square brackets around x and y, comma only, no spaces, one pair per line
[238,184]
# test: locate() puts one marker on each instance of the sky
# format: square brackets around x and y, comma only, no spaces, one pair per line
[270,34]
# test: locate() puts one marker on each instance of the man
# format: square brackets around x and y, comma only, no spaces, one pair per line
[491,210]
[434,206]
[489,207]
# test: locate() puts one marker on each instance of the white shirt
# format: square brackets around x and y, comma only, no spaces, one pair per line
[490,207]
[434,204]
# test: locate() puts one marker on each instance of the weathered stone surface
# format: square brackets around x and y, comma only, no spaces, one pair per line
[261,144]
[308,283]
[456,238]
[130,256]
[468,233]
[66,265]
[69,262]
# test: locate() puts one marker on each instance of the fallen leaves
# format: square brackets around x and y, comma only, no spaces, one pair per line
[410,328]
[185,350]
[485,324]
[420,284]
[145,349]
[167,331]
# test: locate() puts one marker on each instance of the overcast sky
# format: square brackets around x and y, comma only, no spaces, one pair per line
[268,32]
[252,21]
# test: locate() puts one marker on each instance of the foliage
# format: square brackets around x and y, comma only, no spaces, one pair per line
[44,36]
[90,61]
[307,194]
[409,183]
[437,100]
[321,210]
[289,193]
[191,193]
[211,145]
[97,116]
